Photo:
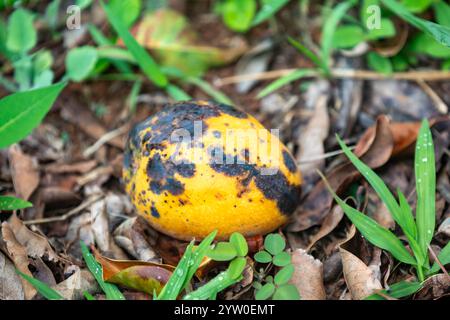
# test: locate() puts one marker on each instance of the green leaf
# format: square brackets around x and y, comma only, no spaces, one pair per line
[236,267]
[286,292]
[21,112]
[284,80]
[422,43]
[425,174]
[379,63]
[51,14]
[265,292]
[284,275]
[310,55]
[88,296]
[21,32]
[367,13]
[274,243]
[238,15]
[144,60]
[263,257]
[41,287]
[223,251]
[42,61]
[126,10]
[220,282]
[330,27]
[268,9]
[444,258]
[442,13]
[239,243]
[177,93]
[438,32]
[398,290]
[372,231]
[8,203]
[208,89]
[80,62]
[416,6]
[406,215]
[386,30]
[348,36]
[111,291]
[282,259]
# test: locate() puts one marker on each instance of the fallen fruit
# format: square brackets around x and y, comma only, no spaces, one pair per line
[199,166]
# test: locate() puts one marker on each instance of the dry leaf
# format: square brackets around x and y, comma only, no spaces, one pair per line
[308,276]
[77,167]
[25,174]
[10,282]
[73,287]
[328,225]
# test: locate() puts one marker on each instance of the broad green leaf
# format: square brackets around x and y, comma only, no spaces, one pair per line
[239,243]
[263,257]
[126,10]
[268,9]
[21,112]
[398,290]
[80,62]
[22,35]
[373,232]
[310,55]
[422,43]
[377,184]
[41,287]
[236,267]
[425,174]
[386,30]
[416,6]
[284,275]
[42,61]
[220,282]
[442,13]
[282,259]
[9,203]
[223,251]
[379,63]
[238,15]
[439,32]
[330,27]
[274,243]
[110,290]
[265,292]
[286,292]
[144,60]
[348,36]
[284,80]
[444,258]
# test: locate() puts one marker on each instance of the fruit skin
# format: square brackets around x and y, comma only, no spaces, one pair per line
[189,199]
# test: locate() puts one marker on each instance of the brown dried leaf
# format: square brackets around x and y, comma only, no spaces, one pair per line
[24,171]
[10,282]
[329,223]
[73,287]
[77,167]
[308,276]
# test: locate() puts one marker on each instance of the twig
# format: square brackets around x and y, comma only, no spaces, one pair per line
[324,156]
[104,139]
[424,75]
[438,261]
[67,215]
[438,102]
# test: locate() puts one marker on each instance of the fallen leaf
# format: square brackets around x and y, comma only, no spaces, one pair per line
[78,167]
[362,280]
[25,174]
[435,287]
[175,43]
[73,287]
[140,275]
[308,276]
[329,223]
[10,282]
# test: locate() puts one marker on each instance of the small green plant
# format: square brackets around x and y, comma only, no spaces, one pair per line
[276,287]
[418,230]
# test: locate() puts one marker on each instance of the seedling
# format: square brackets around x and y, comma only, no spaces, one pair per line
[419,230]
[276,287]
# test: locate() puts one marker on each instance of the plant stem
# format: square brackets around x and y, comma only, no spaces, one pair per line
[420,273]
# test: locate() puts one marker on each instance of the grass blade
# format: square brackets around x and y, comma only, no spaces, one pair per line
[372,231]
[425,173]
[269,9]
[9,203]
[379,186]
[208,89]
[220,282]
[111,291]
[444,258]
[144,60]
[293,76]
[406,215]
[309,54]
[398,290]
[41,287]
